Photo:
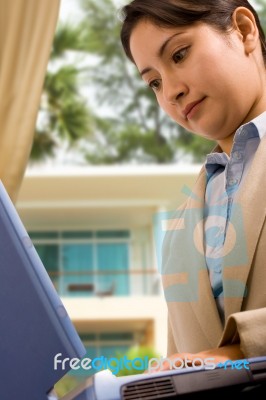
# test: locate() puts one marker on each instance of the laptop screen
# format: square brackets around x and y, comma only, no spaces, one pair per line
[34,325]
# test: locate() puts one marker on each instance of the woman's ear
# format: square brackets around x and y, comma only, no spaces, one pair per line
[244,22]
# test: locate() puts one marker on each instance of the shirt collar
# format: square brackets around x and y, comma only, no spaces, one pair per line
[260,123]
[254,128]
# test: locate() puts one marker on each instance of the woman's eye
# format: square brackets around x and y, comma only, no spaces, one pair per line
[155,84]
[179,55]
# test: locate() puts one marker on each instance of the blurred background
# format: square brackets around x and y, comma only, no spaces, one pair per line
[105,161]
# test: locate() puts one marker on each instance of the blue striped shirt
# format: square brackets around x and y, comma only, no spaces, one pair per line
[225,175]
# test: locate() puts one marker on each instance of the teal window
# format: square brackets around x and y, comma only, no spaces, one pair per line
[86,263]
[112,259]
[77,265]
[49,254]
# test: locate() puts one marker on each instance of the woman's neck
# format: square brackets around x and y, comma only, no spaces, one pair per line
[227,144]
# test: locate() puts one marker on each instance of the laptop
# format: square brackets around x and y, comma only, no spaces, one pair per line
[34,327]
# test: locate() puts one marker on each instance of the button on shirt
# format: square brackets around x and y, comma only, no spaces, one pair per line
[225,175]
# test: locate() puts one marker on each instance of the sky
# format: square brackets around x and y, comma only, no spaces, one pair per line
[70,10]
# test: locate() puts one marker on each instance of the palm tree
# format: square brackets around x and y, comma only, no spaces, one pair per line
[64,115]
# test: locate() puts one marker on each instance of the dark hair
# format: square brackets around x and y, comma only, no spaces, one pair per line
[178,13]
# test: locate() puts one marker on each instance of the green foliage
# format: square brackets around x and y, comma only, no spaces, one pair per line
[63,111]
[68,38]
[42,143]
[68,113]
[101,29]
[129,144]
[137,352]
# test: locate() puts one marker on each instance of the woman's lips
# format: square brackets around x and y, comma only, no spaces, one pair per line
[191,108]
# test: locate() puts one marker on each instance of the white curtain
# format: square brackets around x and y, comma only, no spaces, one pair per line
[27,29]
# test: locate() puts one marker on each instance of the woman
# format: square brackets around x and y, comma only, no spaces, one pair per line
[205,62]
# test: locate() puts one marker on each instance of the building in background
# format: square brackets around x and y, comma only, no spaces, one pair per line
[93,228]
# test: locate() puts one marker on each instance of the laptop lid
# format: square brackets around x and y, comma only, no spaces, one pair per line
[34,325]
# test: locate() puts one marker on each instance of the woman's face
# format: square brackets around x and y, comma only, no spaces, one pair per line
[204,80]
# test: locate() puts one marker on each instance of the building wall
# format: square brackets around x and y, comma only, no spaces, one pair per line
[109,200]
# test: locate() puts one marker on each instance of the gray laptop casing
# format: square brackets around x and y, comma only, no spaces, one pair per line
[34,325]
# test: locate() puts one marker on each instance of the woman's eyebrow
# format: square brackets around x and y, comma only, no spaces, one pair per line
[144,71]
[165,44]
[161,51]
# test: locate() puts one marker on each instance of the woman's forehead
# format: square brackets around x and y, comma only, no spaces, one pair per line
[149,38]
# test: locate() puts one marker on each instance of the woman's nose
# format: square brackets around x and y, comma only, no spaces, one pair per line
[173,90]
